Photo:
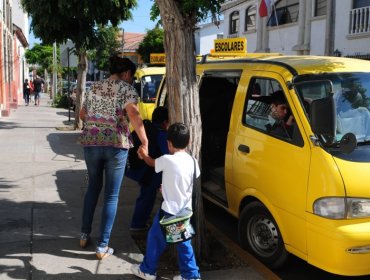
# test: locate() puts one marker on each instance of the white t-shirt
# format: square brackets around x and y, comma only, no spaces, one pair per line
[177,180]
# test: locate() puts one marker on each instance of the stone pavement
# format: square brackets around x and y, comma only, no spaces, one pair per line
[42,184]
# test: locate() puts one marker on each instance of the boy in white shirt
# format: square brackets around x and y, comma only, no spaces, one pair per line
[177,186]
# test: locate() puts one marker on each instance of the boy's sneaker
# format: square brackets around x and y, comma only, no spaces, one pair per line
[179,277]
[135,269]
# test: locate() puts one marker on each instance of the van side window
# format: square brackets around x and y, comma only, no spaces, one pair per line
[258,106]
[267,110]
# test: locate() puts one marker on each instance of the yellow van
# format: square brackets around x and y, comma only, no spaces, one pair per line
[147,81]
[303,188]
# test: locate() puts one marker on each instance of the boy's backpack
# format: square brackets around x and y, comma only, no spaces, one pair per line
[133,160]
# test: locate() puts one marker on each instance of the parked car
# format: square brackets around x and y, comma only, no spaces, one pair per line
[74,92]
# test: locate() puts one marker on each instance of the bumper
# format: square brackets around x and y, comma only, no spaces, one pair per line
[341,247]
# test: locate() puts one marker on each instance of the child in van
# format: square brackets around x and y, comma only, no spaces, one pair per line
[177,185]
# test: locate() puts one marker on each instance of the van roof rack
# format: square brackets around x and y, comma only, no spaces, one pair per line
[231,56]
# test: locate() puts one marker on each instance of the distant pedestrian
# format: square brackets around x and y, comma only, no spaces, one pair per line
[26,91]
[38,84]
[179,170]
[108,107]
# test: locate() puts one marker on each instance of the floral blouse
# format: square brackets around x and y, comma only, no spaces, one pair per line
[106,121]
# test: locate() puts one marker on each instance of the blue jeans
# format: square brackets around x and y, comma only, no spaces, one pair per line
[145,201]
[156,244]
[111,162]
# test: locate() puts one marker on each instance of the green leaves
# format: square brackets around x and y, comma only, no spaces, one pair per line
[40,55]
[57,21]
[152,43]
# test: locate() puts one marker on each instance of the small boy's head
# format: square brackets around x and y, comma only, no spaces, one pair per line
[179,135]
[160,115]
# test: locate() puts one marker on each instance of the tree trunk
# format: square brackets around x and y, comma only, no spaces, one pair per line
[182,91]
[81,82]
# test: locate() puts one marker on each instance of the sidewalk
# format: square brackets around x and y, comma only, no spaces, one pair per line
[42,184]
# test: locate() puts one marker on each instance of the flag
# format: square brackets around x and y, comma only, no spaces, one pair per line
[266,7]
[263,9]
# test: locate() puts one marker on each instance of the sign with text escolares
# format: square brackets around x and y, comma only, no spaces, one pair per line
[231,45]
[157,58]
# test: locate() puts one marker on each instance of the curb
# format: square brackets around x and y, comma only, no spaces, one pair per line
[242,254]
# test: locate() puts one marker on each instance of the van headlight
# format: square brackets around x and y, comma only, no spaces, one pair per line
[342,208]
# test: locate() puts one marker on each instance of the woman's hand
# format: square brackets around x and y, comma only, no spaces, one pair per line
[137,123]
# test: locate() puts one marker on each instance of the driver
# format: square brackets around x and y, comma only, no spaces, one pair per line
[279,112]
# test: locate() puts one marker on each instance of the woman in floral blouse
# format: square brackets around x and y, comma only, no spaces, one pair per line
[107,109]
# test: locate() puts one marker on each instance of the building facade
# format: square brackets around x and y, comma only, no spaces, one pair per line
[13,42]
[310,27]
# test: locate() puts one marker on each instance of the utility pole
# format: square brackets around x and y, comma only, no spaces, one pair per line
[69,50]
[55,77]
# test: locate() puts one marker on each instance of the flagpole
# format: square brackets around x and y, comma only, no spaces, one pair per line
[277,25]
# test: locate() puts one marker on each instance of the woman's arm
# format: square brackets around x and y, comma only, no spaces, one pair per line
[137,123]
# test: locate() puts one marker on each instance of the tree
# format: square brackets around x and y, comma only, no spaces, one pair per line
[57,21]
[41,55]
[179,19]
[152,43]
[106,45]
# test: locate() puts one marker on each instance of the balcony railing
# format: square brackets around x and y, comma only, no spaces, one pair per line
[359,20]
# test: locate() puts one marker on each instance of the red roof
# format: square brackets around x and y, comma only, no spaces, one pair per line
[131,40]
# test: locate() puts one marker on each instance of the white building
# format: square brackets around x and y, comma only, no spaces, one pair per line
[314,27]
[204,36]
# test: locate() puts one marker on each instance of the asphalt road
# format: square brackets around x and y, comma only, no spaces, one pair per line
[295,268]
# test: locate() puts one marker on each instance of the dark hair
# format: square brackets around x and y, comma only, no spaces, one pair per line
[278,97]
[179,135]
[119,65]
[160,114]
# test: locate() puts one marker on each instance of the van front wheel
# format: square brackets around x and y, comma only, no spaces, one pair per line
[260,235]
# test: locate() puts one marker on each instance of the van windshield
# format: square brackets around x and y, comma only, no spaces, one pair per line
[150,85]
[351,97]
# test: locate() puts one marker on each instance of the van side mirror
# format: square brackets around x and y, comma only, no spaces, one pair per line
[323,116]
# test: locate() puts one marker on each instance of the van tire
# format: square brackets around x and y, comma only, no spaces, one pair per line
[260,235]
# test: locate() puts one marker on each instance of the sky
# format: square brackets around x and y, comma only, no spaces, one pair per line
[139,24]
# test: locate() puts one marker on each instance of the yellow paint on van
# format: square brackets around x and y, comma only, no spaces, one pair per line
[288,179]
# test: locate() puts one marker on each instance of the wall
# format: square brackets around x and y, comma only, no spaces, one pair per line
[282,39]
[317,45]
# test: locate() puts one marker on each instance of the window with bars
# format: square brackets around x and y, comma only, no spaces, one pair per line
[234,22]
[320,7]
[283,12]
[250,18]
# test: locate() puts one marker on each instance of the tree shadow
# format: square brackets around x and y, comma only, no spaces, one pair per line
[8,125]
[65,145]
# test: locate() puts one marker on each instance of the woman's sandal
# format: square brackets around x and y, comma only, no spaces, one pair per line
[84,240]
[103,252]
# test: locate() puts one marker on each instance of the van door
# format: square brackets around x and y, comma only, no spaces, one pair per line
[270,165]
[217,91]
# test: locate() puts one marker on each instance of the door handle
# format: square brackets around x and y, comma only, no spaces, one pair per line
[243,148]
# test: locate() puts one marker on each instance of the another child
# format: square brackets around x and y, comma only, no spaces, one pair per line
[151,181]
[177,185]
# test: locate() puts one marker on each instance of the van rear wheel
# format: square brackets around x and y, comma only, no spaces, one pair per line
[260,235]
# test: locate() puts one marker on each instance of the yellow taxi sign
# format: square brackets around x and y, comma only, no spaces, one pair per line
[157,58]
[231,46]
